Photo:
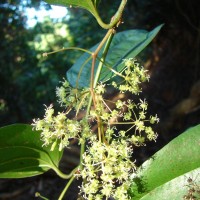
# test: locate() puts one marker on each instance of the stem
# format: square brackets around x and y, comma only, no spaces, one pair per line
[81,69]
[118,123]
[102,60]
[108,37]
[93,81]
[97,76]
[68,48]
[66,188]
[37,194]
[65,176]
[115,72]
[81,153]
[94,56]
[116,18]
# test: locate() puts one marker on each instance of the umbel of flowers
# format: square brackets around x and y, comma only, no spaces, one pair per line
[106,164]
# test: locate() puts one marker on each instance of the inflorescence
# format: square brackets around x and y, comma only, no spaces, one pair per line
[107,165]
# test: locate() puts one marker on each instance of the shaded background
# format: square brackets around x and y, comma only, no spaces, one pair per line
[28,81]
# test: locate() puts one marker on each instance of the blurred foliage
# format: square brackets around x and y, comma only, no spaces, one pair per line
[15,59]
[27,80]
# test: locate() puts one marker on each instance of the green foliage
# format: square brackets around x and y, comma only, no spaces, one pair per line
[14,60]
[182,187]
[22,64]
[169,169]
[126,44]
[22,153]
[89,5]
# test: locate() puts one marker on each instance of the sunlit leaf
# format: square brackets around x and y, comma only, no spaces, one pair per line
[180,156]
[177,188]
[126,44]
[22,153]
[89,5]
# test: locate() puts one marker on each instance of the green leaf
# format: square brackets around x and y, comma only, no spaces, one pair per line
[22,153]
[89,5]
[180,156]
[126,44]
[177,188]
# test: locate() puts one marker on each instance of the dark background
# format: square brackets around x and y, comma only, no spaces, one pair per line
[28,81]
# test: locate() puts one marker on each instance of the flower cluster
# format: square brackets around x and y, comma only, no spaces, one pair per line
[107,165]
[133,75]
[58,129]
[107,169]
[139,122]
[72,97]
[129,113]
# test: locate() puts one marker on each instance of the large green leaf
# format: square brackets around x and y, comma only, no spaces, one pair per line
[89,5]
[22,153]
[180,156]
[177,188]
[126,44]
